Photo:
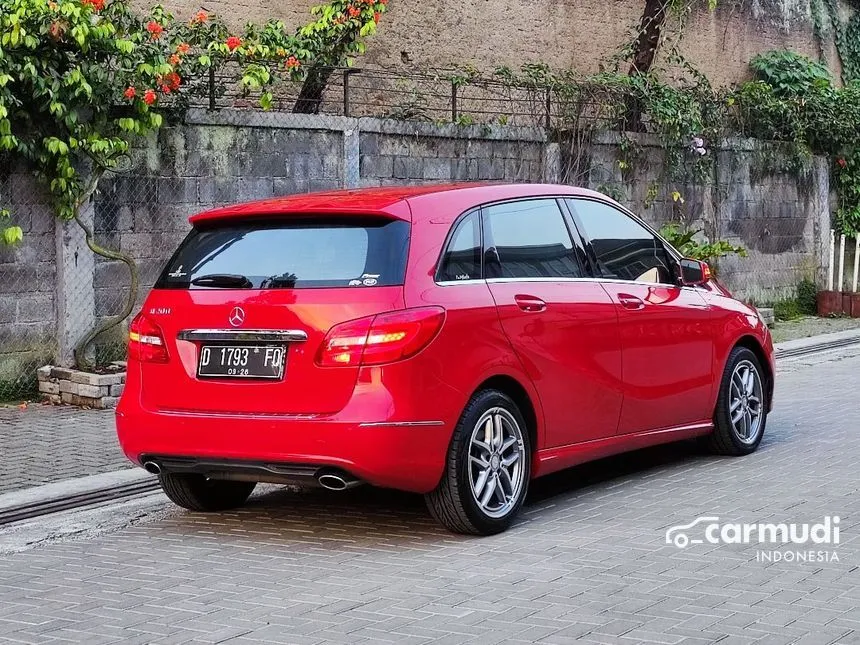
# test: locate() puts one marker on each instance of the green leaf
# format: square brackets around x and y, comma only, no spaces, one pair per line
[266,100]
[125,46]
[13,235]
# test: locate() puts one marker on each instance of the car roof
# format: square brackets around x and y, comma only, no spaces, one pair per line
[437,201]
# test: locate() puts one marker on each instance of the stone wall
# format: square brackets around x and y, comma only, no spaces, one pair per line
[759,196]
[52,292]
[578,34]
[241,156]
[27,281]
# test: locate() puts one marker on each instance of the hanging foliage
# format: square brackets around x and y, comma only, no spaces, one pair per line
[80,79]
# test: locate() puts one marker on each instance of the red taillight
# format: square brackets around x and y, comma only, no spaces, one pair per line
[146,341]
[379,339]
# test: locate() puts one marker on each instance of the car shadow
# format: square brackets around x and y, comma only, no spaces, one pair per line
[375,516]
[601,471]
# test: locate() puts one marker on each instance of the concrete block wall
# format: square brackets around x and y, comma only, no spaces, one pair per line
[757,196]
[222,157]
[27,280]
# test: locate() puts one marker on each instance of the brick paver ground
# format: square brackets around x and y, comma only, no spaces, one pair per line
[587,563]
[44,444]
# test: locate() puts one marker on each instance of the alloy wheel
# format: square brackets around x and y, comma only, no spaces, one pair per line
[745,401]
[496,469]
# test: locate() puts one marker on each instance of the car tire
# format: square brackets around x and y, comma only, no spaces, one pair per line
[742,405]
[197,493]
[487,470]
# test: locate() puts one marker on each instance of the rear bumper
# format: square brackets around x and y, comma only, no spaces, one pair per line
[403,455]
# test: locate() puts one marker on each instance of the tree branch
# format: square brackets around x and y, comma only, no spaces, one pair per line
[134,277]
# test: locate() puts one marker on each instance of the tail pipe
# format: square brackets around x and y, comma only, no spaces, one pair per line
[152,467]
[332,479]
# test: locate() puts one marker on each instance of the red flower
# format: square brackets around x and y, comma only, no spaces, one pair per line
[172,80]
[292,63]
[841,162]
[97,5]
[354,12]
[174,60]
[149,97]
[376,16]
[200,16]
[130,93]
[155,30]
[183,48]
[234,42]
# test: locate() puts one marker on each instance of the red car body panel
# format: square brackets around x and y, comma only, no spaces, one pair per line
[569,352]
[599,377]
[667,335]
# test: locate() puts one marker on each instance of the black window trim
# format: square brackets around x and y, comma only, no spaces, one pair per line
[573,235]
[585,252]
[592,257]
[449,238]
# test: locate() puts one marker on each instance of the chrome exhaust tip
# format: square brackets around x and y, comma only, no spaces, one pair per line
[334,480]
[152,467]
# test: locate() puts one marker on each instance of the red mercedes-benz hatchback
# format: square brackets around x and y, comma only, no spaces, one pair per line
[455,341]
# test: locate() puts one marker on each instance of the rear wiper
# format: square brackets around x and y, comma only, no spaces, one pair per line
[223,280]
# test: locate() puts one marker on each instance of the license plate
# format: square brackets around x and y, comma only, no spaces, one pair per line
[242,361]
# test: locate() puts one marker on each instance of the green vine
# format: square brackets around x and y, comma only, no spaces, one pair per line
[846,36]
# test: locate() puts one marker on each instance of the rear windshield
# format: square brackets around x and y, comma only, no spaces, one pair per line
[290,254]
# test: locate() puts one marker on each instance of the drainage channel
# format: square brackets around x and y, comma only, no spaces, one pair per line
[78,500]
[114,493]
[814,349]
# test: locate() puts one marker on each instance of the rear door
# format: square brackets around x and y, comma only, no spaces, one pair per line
[563,328]
[237,291]
[666,329]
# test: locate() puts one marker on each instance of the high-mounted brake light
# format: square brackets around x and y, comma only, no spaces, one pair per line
[384,338]
[146,341]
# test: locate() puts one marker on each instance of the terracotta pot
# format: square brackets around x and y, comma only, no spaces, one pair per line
[829,303]
[855,305]
[846,303]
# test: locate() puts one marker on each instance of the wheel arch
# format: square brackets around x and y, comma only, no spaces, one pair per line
[754,345]
[509,385]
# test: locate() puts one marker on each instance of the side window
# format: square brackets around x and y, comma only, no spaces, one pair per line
[528,239]
[625,250]
[462,257]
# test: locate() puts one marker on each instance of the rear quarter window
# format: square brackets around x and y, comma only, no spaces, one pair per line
[296,253]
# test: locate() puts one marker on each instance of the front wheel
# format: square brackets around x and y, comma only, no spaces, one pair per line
[488,468]
[197,493]
[742,405]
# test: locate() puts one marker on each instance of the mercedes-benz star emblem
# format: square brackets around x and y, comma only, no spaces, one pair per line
[237,316]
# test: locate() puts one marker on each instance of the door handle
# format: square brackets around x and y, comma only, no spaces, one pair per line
[532,304]
[630,302]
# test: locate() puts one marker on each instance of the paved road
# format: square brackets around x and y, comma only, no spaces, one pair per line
[44,444]
[587,563]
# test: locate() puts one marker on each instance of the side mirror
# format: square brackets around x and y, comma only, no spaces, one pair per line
[694,272]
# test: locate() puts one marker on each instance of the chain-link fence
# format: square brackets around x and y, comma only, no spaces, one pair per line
[429,127]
